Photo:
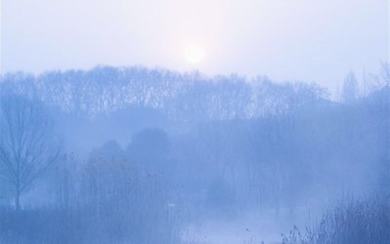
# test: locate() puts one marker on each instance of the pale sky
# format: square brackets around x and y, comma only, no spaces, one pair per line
[311,40]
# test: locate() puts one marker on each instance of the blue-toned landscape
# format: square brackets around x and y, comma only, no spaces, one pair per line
[194,122]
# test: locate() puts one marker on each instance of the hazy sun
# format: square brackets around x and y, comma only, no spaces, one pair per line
[194,54]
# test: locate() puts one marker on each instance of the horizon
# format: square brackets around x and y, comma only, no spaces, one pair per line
[366,82]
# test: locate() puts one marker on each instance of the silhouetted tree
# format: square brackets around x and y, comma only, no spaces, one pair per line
[385,76]
[27,148]
[350,88]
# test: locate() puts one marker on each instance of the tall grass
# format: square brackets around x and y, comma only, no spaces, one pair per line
[351,222]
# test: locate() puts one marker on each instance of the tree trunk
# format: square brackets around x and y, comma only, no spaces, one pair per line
[17,199]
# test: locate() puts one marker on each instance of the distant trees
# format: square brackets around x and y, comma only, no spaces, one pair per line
[27,145]
[127,203]
[350,88]
[183,97]
[385,74]
[108,177]
[150,147]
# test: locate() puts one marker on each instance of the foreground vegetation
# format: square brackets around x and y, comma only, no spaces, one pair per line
[352,221]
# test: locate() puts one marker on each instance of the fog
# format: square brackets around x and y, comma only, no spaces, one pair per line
[195,122]
[138,155]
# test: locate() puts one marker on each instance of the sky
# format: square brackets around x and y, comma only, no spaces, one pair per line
[299,40]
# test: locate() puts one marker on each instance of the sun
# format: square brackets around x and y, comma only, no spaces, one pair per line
[194,54]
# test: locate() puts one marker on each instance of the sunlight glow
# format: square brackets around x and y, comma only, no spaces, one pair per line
[194,54]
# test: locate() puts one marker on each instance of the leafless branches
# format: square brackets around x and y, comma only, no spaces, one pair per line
[27,143]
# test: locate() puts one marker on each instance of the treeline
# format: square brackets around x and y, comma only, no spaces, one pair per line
[189,96]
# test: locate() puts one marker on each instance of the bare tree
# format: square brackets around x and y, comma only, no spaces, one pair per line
[385,74]
[27,143]
[350,88]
